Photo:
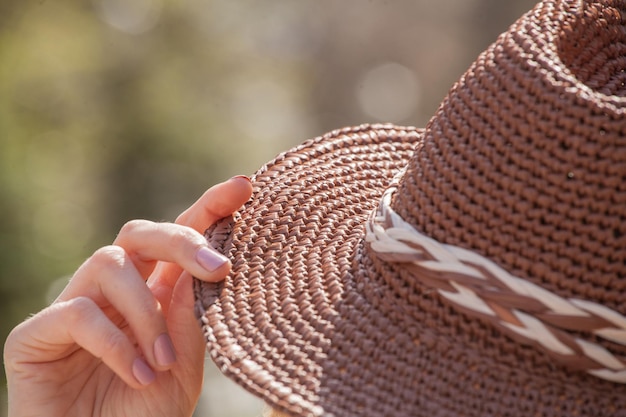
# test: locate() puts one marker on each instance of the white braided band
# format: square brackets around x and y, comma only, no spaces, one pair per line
[525,311]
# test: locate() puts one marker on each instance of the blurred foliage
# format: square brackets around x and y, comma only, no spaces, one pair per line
[112,110]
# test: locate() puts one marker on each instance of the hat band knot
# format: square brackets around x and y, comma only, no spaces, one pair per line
[524,311]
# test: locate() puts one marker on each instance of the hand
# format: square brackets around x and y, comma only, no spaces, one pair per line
[122,338]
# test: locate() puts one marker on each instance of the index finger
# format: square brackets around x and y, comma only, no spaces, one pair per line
[217,202]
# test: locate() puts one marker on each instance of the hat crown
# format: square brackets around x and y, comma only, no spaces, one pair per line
[524,162]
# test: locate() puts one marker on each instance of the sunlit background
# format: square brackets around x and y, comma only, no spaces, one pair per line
[119,109]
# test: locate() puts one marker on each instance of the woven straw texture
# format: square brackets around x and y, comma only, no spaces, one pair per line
[524,163]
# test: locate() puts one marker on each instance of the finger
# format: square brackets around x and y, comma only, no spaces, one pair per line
[217,202]
[182,320]
[109,278]
[147,242]
[80,322]
[186,335]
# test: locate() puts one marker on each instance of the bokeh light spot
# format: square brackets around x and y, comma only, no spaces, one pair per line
[130,16]
[389,92]
[265,109]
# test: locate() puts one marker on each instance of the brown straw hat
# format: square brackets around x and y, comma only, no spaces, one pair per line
[476,267]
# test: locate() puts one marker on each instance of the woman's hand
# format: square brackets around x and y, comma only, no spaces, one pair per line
[122,338]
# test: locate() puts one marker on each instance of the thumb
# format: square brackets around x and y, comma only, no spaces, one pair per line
[186,336]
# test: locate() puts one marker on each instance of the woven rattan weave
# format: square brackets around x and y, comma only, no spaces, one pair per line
[524,166]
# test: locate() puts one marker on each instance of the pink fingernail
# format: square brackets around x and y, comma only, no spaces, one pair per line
[164,350]
[244,177]
[209,259]
[142,372]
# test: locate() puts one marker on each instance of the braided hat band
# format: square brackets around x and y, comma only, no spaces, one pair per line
[487,279]
[521,309]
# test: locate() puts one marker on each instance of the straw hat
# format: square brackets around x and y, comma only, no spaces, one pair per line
[476,267]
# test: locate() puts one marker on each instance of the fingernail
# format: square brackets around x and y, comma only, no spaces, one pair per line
[142,372]
[164,350]
[242,177]
[209,259]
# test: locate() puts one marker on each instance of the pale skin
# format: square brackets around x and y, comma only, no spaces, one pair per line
[122,338]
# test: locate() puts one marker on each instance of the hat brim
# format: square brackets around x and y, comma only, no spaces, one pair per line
[271,324]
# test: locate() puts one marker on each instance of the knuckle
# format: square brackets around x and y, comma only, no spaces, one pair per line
[80,309]
[109,257]
[132,226]
[183,237]
[82,313]
[113,344]
[147,308]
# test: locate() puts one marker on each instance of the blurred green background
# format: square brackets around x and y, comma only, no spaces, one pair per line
[118,109]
